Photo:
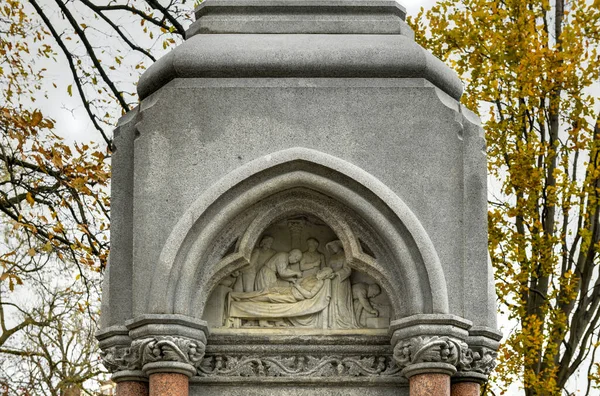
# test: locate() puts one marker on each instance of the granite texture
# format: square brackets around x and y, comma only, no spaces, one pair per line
[408,224]
[296,56]
[116,294]
[132,388]
[430,385]
[274,110]
[274,38]
[466,389]
[169,384]
[306,390]
[299,17]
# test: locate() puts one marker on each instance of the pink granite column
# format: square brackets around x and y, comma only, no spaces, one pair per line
[132,388]
[434,384]
[466,389]
[169,384]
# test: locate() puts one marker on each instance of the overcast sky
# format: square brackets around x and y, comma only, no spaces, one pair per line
[413,6]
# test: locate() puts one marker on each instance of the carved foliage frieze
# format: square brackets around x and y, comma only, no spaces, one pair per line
[298,366]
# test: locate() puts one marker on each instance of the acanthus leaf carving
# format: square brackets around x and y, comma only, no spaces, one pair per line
[430,349]
[478,359]
[113,358]
[297,366]
[154,349]
[171,349]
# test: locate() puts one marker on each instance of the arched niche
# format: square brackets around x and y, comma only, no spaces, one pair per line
[297,225]
[216,236]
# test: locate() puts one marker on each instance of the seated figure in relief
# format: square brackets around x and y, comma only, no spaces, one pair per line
[361,294]
[312,260]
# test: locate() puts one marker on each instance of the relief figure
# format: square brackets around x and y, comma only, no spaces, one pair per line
[258,258]
[361,294]
[312,260]
[300,304]
[278,267]
[341,307]
[301,289]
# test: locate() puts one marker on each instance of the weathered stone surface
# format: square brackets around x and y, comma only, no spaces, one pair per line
[286,149]
[308,389]
[295,17]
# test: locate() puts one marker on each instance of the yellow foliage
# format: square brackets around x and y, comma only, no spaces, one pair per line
[528,67]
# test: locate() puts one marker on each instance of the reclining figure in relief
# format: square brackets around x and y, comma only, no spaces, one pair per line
[297,303]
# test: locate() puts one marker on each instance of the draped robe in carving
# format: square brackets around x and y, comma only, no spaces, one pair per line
[275,268]
[280,303]
[341,307]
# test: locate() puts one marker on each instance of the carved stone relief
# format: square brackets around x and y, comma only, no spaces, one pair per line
[298,277]
[431,349]
[152,350]
[298,366]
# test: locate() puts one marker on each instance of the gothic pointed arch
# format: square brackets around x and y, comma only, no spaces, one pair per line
[217,233]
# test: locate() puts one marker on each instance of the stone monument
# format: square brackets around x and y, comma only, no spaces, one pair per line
[299,208]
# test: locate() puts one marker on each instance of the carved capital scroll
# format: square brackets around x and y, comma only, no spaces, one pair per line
[480,359]
[118,358]
[481,355]
[430,354]
[179,353]
[431,343]
[167,354]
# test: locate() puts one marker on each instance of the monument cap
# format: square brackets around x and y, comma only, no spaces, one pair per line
[300,17]
[300,39]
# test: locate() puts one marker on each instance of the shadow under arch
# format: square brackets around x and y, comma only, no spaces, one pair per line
[407,264]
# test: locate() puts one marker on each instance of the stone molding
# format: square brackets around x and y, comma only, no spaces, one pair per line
[298,366]
[167,343]
[115,345]
[422,344]
[346,184]
[299,17]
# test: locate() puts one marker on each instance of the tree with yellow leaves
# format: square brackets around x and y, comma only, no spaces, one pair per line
[531,69]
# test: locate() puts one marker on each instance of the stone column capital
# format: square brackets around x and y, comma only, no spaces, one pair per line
[429,343]
[167,343]
[480,358]
[116,355]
